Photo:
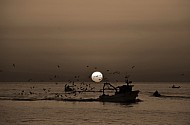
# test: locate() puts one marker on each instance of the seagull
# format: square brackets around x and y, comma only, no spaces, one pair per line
[14,65]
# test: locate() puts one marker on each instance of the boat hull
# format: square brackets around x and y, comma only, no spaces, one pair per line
[122,98]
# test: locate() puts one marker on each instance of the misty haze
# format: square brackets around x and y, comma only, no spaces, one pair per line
[38,35]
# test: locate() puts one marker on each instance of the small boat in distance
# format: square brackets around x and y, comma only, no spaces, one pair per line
[156,94]
[69,88]
[176,86]
[122,94]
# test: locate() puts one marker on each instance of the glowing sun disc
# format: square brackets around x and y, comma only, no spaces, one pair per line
[97,76]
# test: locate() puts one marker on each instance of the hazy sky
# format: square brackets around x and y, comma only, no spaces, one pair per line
[38,35]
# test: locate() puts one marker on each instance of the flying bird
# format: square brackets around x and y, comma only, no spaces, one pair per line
[14,65]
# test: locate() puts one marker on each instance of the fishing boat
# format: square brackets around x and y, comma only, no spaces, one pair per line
[122,93]
[156,94]
[69,88]
[176,86]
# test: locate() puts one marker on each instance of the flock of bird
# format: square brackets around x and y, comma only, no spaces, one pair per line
[76,86]
[54,77]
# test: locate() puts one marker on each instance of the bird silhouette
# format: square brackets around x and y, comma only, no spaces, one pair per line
[14,65]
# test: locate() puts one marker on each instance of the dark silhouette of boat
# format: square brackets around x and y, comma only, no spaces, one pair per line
[69,88]
[176,86]
[156,94]
[122,94]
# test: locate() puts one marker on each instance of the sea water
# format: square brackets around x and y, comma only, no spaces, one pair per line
[35,103]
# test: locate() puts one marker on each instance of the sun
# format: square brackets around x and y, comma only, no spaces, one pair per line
[97,76]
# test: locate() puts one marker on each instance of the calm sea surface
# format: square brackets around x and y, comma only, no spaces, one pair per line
[39,104]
